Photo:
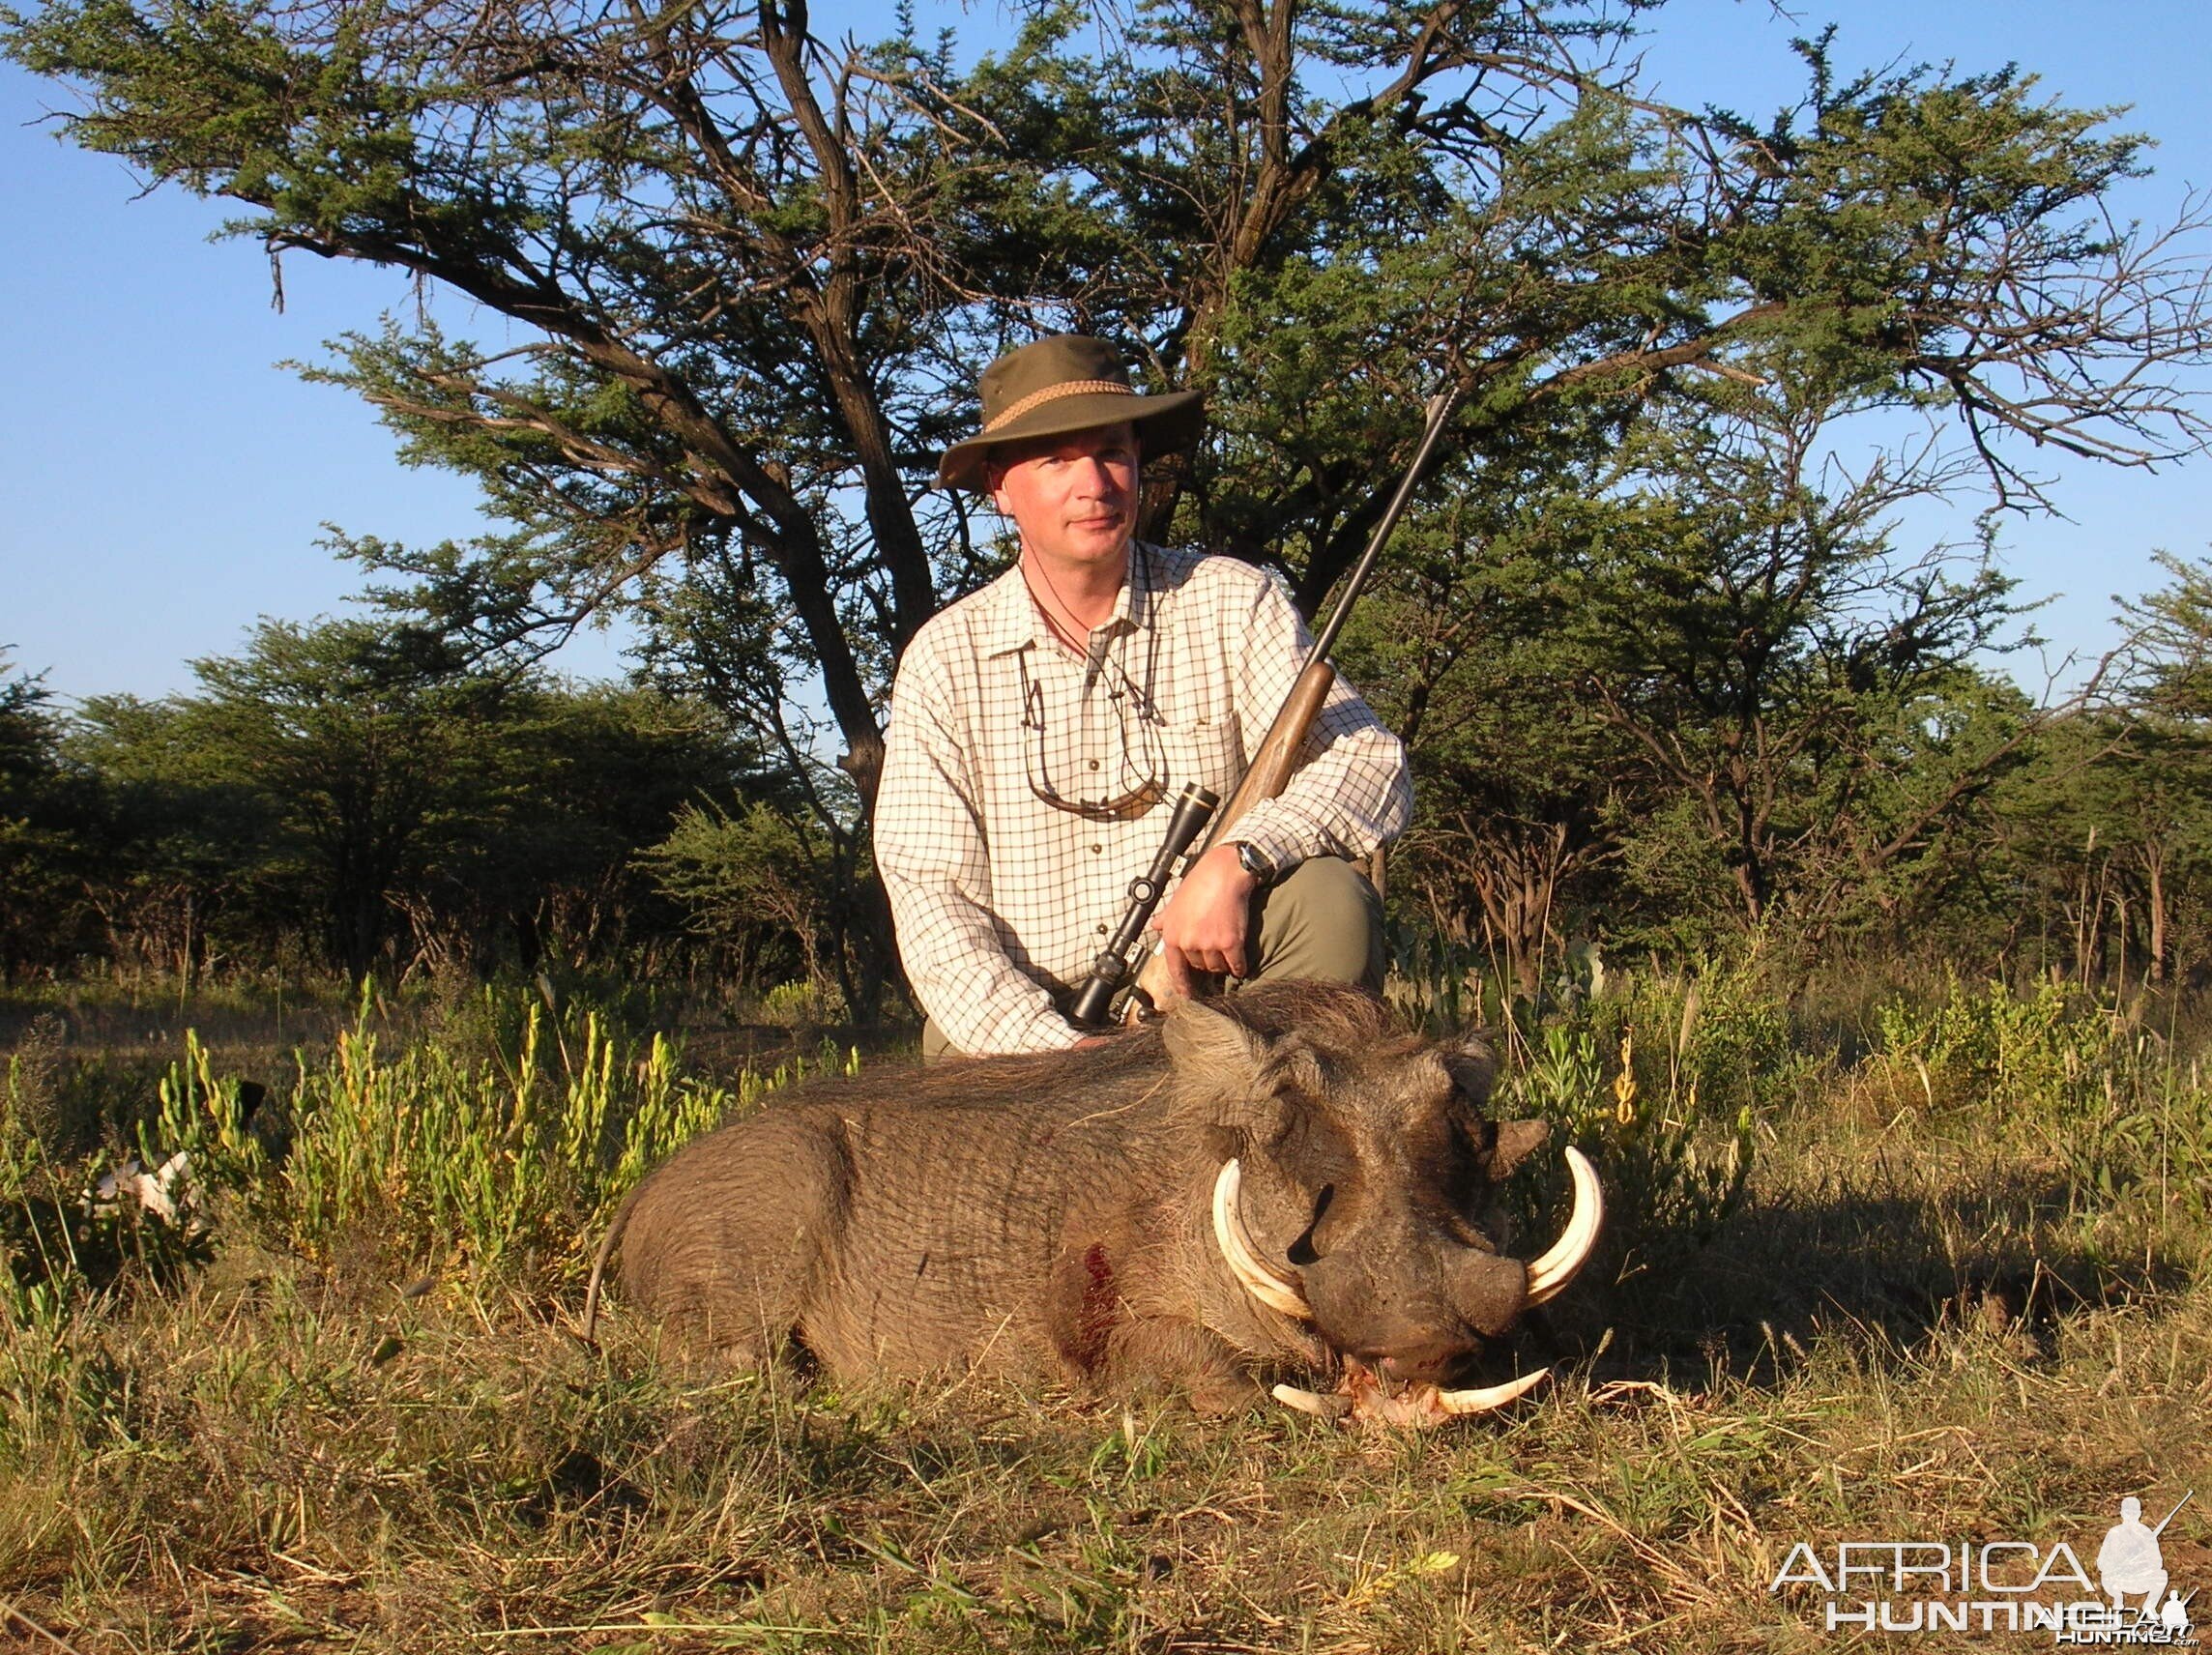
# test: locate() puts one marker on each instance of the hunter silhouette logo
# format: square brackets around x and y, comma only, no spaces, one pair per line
[2130,1563]
[2004,1586]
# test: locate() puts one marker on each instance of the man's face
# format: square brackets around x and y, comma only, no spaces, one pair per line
[1073,497]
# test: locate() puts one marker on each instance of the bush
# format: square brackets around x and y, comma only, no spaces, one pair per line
[2075,1080]
[485,1163]
[2040,1056]
[802,1005]
[429,1158]
[1673,1170]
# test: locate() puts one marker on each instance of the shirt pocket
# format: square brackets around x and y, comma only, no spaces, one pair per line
[1204,750]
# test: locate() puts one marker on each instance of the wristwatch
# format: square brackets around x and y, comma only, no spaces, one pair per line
[1254,861]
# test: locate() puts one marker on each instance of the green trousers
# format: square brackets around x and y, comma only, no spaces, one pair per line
[1321,921]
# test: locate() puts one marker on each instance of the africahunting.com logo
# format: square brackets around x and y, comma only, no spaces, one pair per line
[2001,1586]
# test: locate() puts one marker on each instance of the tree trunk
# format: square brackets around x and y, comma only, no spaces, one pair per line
[2154,878]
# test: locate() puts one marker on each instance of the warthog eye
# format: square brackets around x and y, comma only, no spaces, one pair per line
[1303,1252]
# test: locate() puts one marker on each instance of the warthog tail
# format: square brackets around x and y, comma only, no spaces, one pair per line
[600,1261]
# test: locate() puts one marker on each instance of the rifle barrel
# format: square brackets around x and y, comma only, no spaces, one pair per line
[1441,408]
[2175,1512]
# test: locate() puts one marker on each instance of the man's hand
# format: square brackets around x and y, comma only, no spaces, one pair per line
[1205,923]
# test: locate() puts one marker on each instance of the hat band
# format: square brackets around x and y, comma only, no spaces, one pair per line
[1054,392]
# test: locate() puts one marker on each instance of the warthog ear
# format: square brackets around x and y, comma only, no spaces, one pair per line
[1515,1141]
[1212,1047]
[1472,1068]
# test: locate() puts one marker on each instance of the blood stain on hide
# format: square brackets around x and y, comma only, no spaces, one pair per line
[1095,1320]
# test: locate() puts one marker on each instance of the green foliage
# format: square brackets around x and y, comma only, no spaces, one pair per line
[1663,1080]
[752,882]
[2082,1083]
[205,1116]
[2174,642]
[346,794]
[56,1260]
[1674,1157]
[799,1005]
[2038,1054]
[434,1159]
[1778,662]
[56,1236]
[43,850]
[454,1164]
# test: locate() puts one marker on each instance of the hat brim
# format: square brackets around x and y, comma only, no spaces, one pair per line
[1166,423]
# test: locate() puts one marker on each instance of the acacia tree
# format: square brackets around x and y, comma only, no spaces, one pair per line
[41,822]
[2143,781]
[178,849]
[752,271]
[325,796]
[1525,786]
[366,753]
[1797,685]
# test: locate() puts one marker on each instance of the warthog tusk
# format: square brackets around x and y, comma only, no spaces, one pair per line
[1492,1396]
[1549,1275]
[1272,1288]
[1330,1407]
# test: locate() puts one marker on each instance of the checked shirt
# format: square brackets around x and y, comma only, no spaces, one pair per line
[1000,898]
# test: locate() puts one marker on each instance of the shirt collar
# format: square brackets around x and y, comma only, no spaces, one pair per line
[1011,621]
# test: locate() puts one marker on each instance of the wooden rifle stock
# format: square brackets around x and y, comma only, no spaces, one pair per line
[1276,758]
[1269,771]
[1267,774]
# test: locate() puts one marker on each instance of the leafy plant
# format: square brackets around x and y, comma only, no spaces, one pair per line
[482,1163]
[1669,1119]
[2038,1054]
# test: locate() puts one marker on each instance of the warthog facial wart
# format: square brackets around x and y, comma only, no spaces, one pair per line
[1284,1183]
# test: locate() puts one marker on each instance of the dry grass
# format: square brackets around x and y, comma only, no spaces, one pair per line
[1938,1321]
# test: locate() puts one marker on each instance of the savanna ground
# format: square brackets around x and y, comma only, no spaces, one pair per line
[1961,1295]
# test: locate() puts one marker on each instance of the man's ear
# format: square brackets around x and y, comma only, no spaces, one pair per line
[1211,1047]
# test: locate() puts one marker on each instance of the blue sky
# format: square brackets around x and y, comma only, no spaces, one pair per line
[167,481]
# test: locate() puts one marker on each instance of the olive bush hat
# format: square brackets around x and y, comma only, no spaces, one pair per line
[1067,383]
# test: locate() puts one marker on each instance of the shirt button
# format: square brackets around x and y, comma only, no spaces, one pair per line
[1101,930]
[1094,850]
[1094,763]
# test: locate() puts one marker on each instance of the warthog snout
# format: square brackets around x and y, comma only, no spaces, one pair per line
[1383,1190]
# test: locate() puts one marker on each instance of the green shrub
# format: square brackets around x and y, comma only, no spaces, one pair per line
[486,1162]
[1672,1170]
[53,1254]
[2038,1054]
[2076,1080]
[802,1005]
[1660,1078]
[437,1157]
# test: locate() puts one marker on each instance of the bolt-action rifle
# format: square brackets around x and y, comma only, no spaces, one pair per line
[1268,774]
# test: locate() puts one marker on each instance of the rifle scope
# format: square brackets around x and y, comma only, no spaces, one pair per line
[1192,811]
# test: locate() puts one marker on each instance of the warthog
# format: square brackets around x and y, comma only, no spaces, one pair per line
[1283,1180]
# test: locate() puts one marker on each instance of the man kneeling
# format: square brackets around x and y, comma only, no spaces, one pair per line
[1041,729]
